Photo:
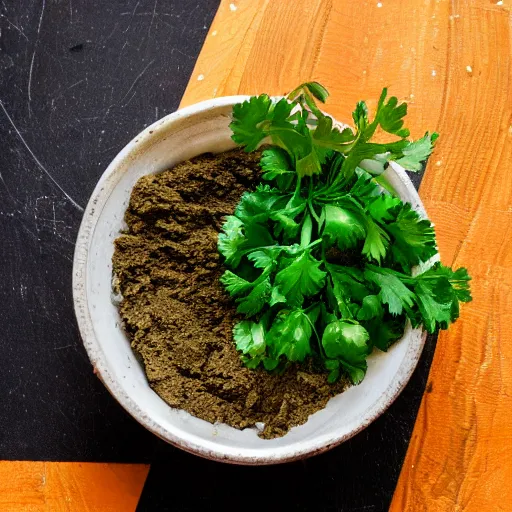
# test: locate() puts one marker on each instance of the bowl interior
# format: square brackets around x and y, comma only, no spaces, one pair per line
[187,133]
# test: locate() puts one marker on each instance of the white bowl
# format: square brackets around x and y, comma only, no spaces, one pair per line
[189,132]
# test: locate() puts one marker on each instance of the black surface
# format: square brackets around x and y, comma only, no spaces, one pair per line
[78,79]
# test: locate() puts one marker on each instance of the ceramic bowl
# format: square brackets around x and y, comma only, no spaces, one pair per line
[200,128]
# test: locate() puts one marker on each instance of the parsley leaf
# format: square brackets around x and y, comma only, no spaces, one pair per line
[264,257]
[276,164]
[377,241]
[439,291]
[247,119]
[290,334]
[301,278]
[392,291]
[389,116]
[348,343]
[360,116]
[382,207]
[385,331]
[256,206]
[414,238]
[238,237]
[232,240]
[417,152]
[350,280]
[250,338]
[328,136]
[370,308]
[256,300]
[342,226]
[234,284]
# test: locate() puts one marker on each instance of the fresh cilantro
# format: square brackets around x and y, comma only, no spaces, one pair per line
[414,239]
[376,243]
[238,237]
[389,116]
[234,284]
[321,256]
[417,152]
[232,240]
[250,338]
[276,165]
[290,335]
[347,343]
[370,308]
[392,290]
[301,278]
[342,226]
[385,330]
[253,303]
[247,120]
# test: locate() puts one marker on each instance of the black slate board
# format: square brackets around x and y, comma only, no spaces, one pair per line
[78,80]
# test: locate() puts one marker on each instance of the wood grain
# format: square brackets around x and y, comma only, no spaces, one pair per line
[70,487]
[451,61]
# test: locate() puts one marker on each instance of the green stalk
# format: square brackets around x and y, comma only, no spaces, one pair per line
[307,229]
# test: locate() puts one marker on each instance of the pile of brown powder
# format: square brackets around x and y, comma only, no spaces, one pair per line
[176,313]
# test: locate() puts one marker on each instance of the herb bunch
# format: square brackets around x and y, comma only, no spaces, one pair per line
[320,256]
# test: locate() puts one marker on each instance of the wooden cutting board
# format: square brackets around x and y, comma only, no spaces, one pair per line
[451,60]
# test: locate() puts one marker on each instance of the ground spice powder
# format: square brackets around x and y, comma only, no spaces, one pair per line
[176,313]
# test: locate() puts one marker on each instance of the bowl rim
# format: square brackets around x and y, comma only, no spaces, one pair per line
[99,360]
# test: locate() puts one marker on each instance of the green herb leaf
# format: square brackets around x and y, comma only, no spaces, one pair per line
[316,90]
[417,152]
[256,300]
[376,242]
[250,338]
[232,240]
[439,291]
[389,116]
[360,116]
[328,189]
[238,237]
[289,335]
[351,281]
[276,297]
[328,136]
[256,206]
[348,343]
[234,284]
[414,238]
[265,257]
[382,207]
[301,278]
[371,308]
[247,119]
[333,365]
[385,331]
[343,226]
[276,164]
[392,291]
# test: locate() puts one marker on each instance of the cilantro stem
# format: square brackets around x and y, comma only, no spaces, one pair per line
[310,204]
[312,326]
[307,228]
[314,244]
[296,194]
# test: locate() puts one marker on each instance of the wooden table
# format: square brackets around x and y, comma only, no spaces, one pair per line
[451,61]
